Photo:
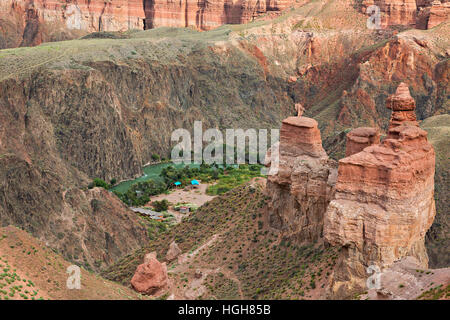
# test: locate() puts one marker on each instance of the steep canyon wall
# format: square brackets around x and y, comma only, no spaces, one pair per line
[379,207]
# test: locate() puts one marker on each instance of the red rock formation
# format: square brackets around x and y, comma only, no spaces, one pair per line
[439,12]
[395,12]
[46,20]
[402,105]
[205,15]
[30,22]
[360,138]
[151,276]
[384,201]
[302,188]
[422,14]
[300,136]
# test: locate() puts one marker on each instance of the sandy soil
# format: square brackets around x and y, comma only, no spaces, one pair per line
[196,196]
[32,260]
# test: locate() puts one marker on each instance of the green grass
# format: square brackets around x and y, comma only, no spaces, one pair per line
[234,178]
[150,172]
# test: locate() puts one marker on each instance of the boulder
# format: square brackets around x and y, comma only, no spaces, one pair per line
[173,252]
[150,277]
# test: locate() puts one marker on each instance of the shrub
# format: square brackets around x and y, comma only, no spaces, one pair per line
[162,205]
[100,183]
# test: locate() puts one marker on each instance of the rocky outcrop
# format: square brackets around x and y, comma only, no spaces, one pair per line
[406,279]
[438,13]
[173,252]
[31,22]
[422,14]
[360,138]
[92,228]
[402,105]
[205,15]
[302,188]
[395,12]
[150,277]
[384,201]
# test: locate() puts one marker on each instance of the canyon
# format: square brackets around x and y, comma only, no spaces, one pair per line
[101,106]
[379,204]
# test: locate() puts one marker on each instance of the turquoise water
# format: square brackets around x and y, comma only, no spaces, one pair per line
[150,172]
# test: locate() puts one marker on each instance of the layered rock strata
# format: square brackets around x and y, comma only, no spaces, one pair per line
[31,22]
[302,188]
[360,138]
[384,202]
[422,14]
[402,105]
[205,15]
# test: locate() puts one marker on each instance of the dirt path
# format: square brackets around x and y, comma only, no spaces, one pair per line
[195,288]
[187,257]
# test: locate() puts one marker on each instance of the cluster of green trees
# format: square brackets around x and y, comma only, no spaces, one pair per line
[227,178]
[139,194]
[185,175]
[160,206]
[234,177]
[97,182]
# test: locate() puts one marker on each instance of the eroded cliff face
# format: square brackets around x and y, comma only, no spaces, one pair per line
[205,15]
[87,114]
[304,184]
[422,14]
[31,22]
[379,207]
[92,228]
[384,201]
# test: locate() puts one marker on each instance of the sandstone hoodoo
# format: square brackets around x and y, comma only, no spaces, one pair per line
[150,277]
[384,201]
[402,105]
[302,188]
[360,138]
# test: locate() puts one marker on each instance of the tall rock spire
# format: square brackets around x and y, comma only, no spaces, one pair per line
[302,188]
[403,107]
[384,200]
